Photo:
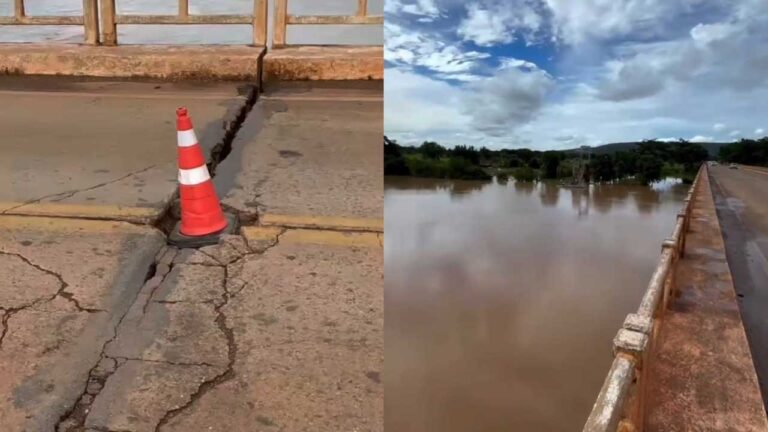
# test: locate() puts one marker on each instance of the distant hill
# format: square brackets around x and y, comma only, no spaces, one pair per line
[712,147]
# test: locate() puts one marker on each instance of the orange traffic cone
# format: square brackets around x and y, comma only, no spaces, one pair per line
[201,215]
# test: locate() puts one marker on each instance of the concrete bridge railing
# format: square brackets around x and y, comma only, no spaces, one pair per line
[619,405]
[102,56]
[89,19]
[104,31]
[283,19]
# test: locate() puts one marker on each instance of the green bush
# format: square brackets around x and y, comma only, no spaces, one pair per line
[524,174]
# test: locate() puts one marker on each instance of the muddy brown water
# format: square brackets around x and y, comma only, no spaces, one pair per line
[502,300]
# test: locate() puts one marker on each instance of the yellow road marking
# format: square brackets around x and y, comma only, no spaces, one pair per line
[330,238]
[48,224]
[84,211]
[323,222]
[309,236]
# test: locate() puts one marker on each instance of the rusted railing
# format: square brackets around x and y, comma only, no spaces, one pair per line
[283,19]
[619,405]
[110,19]
[89,19]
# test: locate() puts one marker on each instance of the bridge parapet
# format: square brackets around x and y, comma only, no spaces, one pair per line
[101,55]
[619,405]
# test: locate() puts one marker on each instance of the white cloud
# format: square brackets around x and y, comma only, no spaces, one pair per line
[648,69]
[759,131]
[421,107]
[511,98]
[735,133]
[577,21]
[701,139]
[511,62]
[704,34]
[413,48]
[707,77]
[462,77]
[490,23]
[730,53]
[427,9]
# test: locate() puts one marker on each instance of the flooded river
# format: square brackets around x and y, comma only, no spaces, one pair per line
[502,299]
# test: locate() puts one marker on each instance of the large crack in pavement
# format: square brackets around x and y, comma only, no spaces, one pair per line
[221,320]
[74,420]
[227,255]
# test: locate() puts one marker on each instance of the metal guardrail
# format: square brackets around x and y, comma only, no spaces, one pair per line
[283,19]
[619,405]
[110,19]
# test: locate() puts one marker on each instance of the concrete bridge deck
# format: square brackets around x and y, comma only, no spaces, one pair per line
[702,375]
[692,358]
[103,327]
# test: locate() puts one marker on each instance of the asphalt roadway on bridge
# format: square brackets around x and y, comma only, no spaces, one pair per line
[104,327]
[741,199]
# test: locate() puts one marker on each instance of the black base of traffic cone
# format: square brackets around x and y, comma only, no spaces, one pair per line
[181,241]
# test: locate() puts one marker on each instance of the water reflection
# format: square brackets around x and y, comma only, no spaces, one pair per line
[502,299]
[550,194]
[455,188]
[524,188]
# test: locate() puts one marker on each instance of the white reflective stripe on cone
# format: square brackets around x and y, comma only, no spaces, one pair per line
[194,176]
[187,138]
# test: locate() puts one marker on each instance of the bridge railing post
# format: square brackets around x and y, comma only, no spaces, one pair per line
[18,9]
[280,23]
[362,8]
[183,8]
[108,23]
[282,19]
[91,21]
[260,22]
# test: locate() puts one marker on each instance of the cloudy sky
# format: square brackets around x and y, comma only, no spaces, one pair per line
[551,74]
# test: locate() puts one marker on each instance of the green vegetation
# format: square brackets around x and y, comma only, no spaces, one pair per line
[524,173]
[644,162]
[747,152]
[432,160]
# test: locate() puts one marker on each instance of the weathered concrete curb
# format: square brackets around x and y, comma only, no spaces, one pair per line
[166,62]
[196,62]
[324,63]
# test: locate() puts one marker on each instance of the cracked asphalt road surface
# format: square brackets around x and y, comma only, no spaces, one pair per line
[61,296]
[252,335]
[105,328]
[741,196]
[245,337]
[84,142]
[309,150]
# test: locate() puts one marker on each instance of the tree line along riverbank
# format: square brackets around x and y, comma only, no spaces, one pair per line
[642,162]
